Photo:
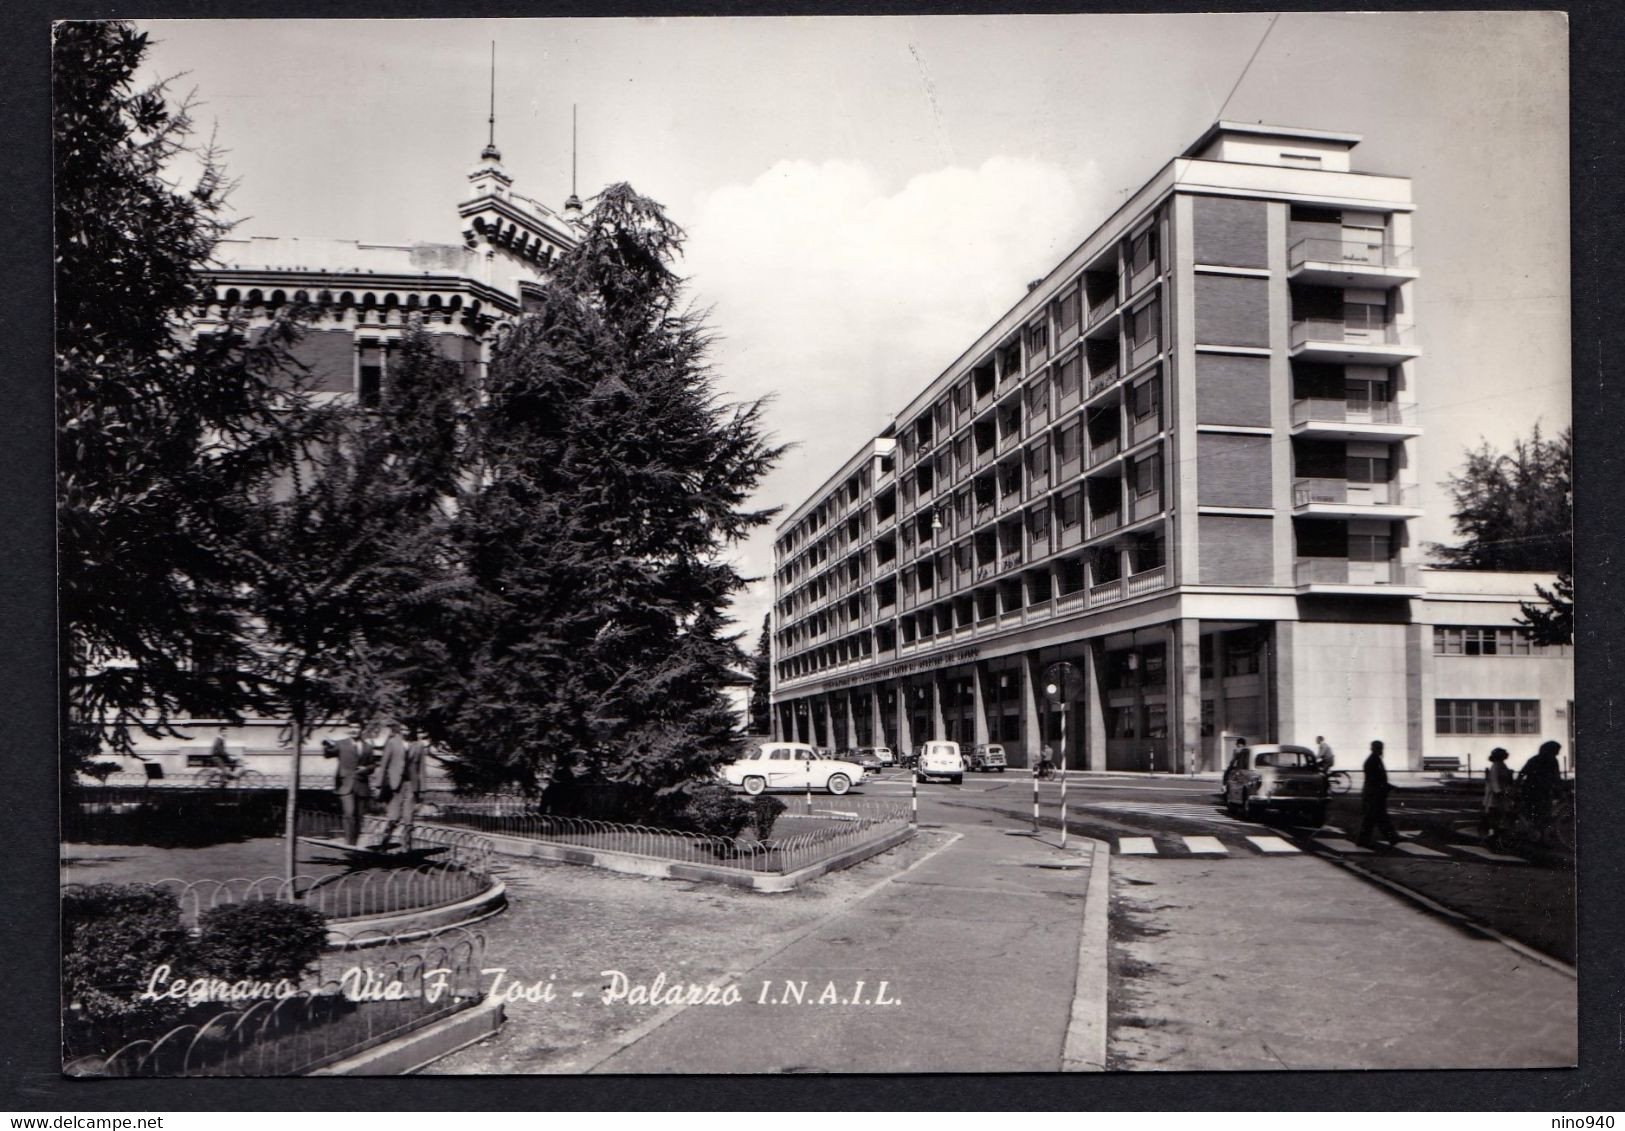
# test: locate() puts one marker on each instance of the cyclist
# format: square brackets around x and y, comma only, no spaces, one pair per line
[1046,766]
[1323,754]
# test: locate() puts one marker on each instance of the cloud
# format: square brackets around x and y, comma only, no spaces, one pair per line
[841,296]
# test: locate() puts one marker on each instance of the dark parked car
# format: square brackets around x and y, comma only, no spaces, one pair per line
[1276,778]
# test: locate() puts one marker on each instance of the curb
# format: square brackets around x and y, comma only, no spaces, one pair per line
[422,1047]
[1085,1048]
[629,863]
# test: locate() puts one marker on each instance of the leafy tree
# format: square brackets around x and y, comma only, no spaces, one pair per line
[1553,622]
[349,558]
[612,479]
[1514,511]
[761,688]
[160,438]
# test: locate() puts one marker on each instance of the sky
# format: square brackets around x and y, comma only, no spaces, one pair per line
[864,196]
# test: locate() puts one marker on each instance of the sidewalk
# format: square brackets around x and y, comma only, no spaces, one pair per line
[978,947]
[1291,963]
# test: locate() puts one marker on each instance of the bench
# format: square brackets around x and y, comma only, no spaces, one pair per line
[1441,763]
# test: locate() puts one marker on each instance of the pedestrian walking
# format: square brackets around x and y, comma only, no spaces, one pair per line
[1374,800]
[1537,788]
[401,775]
[352,781]
[1498,799]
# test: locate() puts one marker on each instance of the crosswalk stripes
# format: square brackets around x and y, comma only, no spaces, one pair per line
[1489,855]
[1273,844]
[1418,849]
[1331,841]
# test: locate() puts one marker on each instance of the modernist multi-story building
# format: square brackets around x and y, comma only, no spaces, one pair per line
[1185,461]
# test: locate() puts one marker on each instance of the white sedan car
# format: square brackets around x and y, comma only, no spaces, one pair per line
[790,765]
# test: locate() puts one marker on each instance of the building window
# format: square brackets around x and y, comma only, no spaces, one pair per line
[1067,310]
[1143,251]
[1147,475]
[1070,507]
[1067,376]
[1486,716]
[369,385]
[1145,397]
[1037,338]
[1307,160]
[1452,641]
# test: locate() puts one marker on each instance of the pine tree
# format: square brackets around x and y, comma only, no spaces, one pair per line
[1514,511]
[1552,622]
[612,481]
[160,438]
[761,689]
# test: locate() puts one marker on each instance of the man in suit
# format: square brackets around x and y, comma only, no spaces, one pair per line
[352,781]
[402,774]
[1374,800]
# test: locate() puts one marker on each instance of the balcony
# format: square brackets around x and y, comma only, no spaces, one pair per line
[1105,593]
[1147,581]
[1343,498]
[1105,450]
[1340,575]
[1334,418]
[1105,523]
[1333,340]
[1349,263]
[1144,506]
[1103,379]
[1100,308]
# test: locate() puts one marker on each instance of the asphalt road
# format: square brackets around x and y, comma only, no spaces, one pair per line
[1528,898]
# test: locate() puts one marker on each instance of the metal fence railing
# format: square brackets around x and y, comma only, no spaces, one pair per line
[801,837]
[343,1007]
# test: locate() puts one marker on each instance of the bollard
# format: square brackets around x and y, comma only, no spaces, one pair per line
[914,799]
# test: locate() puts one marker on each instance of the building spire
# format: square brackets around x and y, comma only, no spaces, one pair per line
[572,205]
[491,152]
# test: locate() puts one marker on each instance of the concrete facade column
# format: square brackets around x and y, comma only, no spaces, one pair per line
[877,716]
[937,727]
[1185,693]
[905,737]
[829,720]
[979,702]
[1093,722]
[851,721]
[1285,694]
[1031,720]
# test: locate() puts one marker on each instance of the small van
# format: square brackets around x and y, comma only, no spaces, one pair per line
[938,759]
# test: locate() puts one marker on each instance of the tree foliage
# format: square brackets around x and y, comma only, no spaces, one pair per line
[160,437]
[612,480]
[761,688]
[1514,511]
[1553,621]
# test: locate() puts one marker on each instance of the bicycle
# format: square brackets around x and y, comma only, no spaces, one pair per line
[1045,770]
[222,777]
[1339,782]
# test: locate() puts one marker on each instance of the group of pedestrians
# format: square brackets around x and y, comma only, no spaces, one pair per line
[1530,796]
[397,762]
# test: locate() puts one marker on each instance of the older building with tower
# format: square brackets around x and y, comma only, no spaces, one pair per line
[1185,461]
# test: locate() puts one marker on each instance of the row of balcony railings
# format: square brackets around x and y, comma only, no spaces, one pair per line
[1337,330]
[1011,428]
[1348,492]
[1354,251]
[1306,572]
[1098,310]
[1345,571]
[1340,410]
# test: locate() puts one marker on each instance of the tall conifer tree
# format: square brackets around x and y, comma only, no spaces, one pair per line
[613,481]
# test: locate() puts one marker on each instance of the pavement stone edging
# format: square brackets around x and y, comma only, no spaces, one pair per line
[418,1049]
[1085,1048]
[629,863]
